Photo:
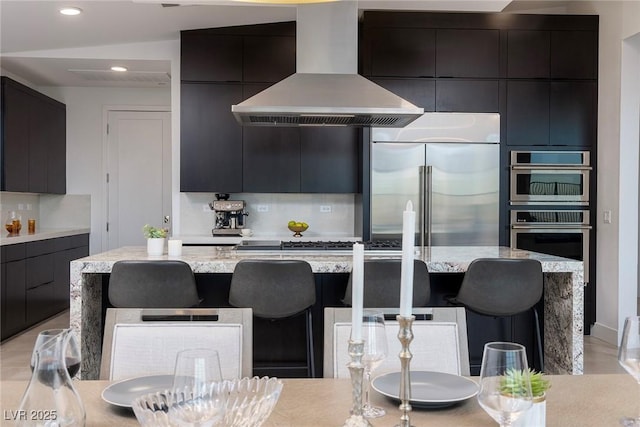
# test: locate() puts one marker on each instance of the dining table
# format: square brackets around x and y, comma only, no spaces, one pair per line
[572,400]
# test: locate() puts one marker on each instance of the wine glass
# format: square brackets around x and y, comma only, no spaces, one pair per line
[71,350]
[504,400]
[197,382]
[629,357]
[375,351]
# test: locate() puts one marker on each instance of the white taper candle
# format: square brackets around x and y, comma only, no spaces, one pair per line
[406,273]
[357,291]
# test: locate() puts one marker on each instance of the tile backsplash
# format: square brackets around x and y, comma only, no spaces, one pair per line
[50,211]
[327,214]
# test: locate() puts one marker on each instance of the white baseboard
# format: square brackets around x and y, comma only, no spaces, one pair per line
[605,333]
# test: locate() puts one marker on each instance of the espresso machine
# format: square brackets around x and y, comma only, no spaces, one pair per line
[230,215]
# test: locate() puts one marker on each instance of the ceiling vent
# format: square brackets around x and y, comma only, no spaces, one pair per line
[151,77]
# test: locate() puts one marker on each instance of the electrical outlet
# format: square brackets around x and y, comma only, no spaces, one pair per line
[206,208]
[29,207]
[262,208]
[607,217]
[325,208]
[20,206]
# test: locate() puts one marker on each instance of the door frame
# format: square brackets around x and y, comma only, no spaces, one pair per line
[106,109]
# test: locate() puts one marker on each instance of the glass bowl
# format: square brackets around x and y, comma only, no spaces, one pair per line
[248,403]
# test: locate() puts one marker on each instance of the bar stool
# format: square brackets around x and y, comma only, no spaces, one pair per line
[502,287]
[152,284]
[382,284]
[276,290]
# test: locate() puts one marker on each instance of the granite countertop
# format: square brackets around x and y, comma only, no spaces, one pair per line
[41,234]
[222,259]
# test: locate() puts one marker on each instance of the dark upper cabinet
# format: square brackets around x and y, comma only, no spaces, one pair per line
[420,92]
[268,58]
[468,96]
[38,146]
[574,54]
[16,104]
[528,54]
[57,152]
[527,113]
[400,52]
[557,113]
[271,156]
[467,53]
[211,138]
[210,57]
[33,141]
[573,113]
[271,161]
[330,159]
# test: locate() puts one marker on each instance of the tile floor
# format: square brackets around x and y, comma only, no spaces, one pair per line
[599,356]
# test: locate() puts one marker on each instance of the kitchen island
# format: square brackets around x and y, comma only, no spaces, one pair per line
[563,289]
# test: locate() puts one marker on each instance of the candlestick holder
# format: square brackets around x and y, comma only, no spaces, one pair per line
[356,369]
[405,335]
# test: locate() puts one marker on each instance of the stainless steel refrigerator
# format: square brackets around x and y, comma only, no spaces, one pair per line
[447,164]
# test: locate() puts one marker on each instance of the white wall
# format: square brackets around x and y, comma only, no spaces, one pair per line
[85,136]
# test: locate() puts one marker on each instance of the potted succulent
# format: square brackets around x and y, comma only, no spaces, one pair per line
[155,239]
[513,383]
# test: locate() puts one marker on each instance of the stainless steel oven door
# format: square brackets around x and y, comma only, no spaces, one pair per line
[568,241]
[549,185]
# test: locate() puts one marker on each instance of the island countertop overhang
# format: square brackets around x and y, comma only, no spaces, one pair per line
[222,259]
[563,294]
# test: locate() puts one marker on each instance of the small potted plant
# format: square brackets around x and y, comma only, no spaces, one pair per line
[155,239]
[513,384]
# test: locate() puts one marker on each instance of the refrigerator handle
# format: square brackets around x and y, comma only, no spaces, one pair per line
[427,196]
[424,216]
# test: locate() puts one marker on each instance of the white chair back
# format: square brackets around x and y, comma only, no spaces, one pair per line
[439,344]
[141,342]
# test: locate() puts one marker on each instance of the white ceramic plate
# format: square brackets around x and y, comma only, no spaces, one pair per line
[123,393]
[428,389]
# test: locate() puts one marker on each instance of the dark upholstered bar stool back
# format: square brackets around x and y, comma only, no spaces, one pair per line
[503,287]
[276,289]
[152,284]
[382,284]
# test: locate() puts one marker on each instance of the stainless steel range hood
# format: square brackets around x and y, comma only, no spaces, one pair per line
[326,89]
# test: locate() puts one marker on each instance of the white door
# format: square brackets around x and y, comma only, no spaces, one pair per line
[139,174]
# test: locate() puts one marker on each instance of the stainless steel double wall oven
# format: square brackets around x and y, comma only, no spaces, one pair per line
[549,197]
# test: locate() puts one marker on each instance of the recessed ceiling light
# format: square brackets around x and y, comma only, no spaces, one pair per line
[71,11]
[118,68]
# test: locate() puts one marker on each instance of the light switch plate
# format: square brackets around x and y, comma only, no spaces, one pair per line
[325,208]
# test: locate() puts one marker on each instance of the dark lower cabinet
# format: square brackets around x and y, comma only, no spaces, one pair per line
[35,280]
[13,305]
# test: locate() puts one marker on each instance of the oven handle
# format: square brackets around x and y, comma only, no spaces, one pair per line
[553,227]
[549,167]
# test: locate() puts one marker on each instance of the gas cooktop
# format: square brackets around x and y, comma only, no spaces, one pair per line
[319,245]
